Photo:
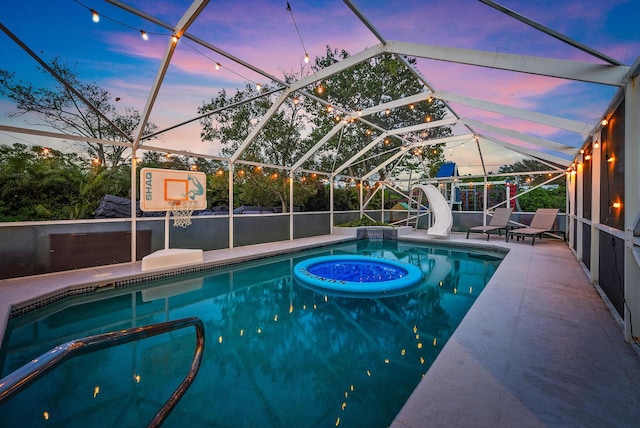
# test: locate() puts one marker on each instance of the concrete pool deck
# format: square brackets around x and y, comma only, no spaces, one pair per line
[539,347]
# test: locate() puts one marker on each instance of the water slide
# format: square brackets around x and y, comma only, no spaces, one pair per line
[440,210]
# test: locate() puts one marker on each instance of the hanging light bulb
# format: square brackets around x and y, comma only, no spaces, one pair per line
[218,66]
[320,89]
[258,86]
[306,58]
[94,15]
[144,34]
[295,101]
[174,38]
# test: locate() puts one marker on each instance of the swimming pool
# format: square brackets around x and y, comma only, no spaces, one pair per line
[277,353]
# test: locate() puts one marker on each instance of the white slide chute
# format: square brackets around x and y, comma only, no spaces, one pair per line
[439,208]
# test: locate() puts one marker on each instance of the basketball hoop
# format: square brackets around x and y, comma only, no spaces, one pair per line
[182,211]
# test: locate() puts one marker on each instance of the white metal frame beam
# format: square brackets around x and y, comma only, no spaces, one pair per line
[318,145]
[536,141]
[604,74]
[184,23]
[539,156]
[394,132]
[551,32]
[531,116]
[632,205]
[404,149]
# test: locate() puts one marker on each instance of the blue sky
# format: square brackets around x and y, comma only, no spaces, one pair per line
[112,53]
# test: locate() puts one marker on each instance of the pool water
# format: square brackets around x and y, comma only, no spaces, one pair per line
[277,353]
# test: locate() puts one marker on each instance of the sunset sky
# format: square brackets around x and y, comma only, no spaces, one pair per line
[112,53]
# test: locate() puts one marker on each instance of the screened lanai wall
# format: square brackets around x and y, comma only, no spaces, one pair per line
[490,127]
[605,205]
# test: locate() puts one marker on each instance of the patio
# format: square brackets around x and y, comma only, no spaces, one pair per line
[552,341]
[540,347]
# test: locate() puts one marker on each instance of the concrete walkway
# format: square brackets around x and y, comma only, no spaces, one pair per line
[539,347]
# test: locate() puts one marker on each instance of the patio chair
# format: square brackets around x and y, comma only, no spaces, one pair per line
[542,222]
[498,222]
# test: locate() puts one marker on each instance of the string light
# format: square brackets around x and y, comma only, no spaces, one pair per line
[218,65]
[306,55]
[94,16]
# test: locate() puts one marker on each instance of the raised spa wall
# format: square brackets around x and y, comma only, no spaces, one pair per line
[373,232]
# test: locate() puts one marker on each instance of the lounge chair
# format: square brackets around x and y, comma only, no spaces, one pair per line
[542,222]
[498,222]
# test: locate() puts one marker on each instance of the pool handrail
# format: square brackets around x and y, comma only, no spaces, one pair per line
[32,371]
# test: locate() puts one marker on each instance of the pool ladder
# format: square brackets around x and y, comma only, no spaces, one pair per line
[32,371]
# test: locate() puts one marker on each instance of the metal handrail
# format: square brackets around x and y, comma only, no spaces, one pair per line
[32,371]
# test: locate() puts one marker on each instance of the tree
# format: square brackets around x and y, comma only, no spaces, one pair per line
[544,198]
[278,143]
[366,85]
[38,183]
[297,125]
[61,109]
[529,165]
[553,196]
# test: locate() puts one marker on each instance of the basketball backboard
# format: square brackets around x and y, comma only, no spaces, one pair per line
[162,188]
